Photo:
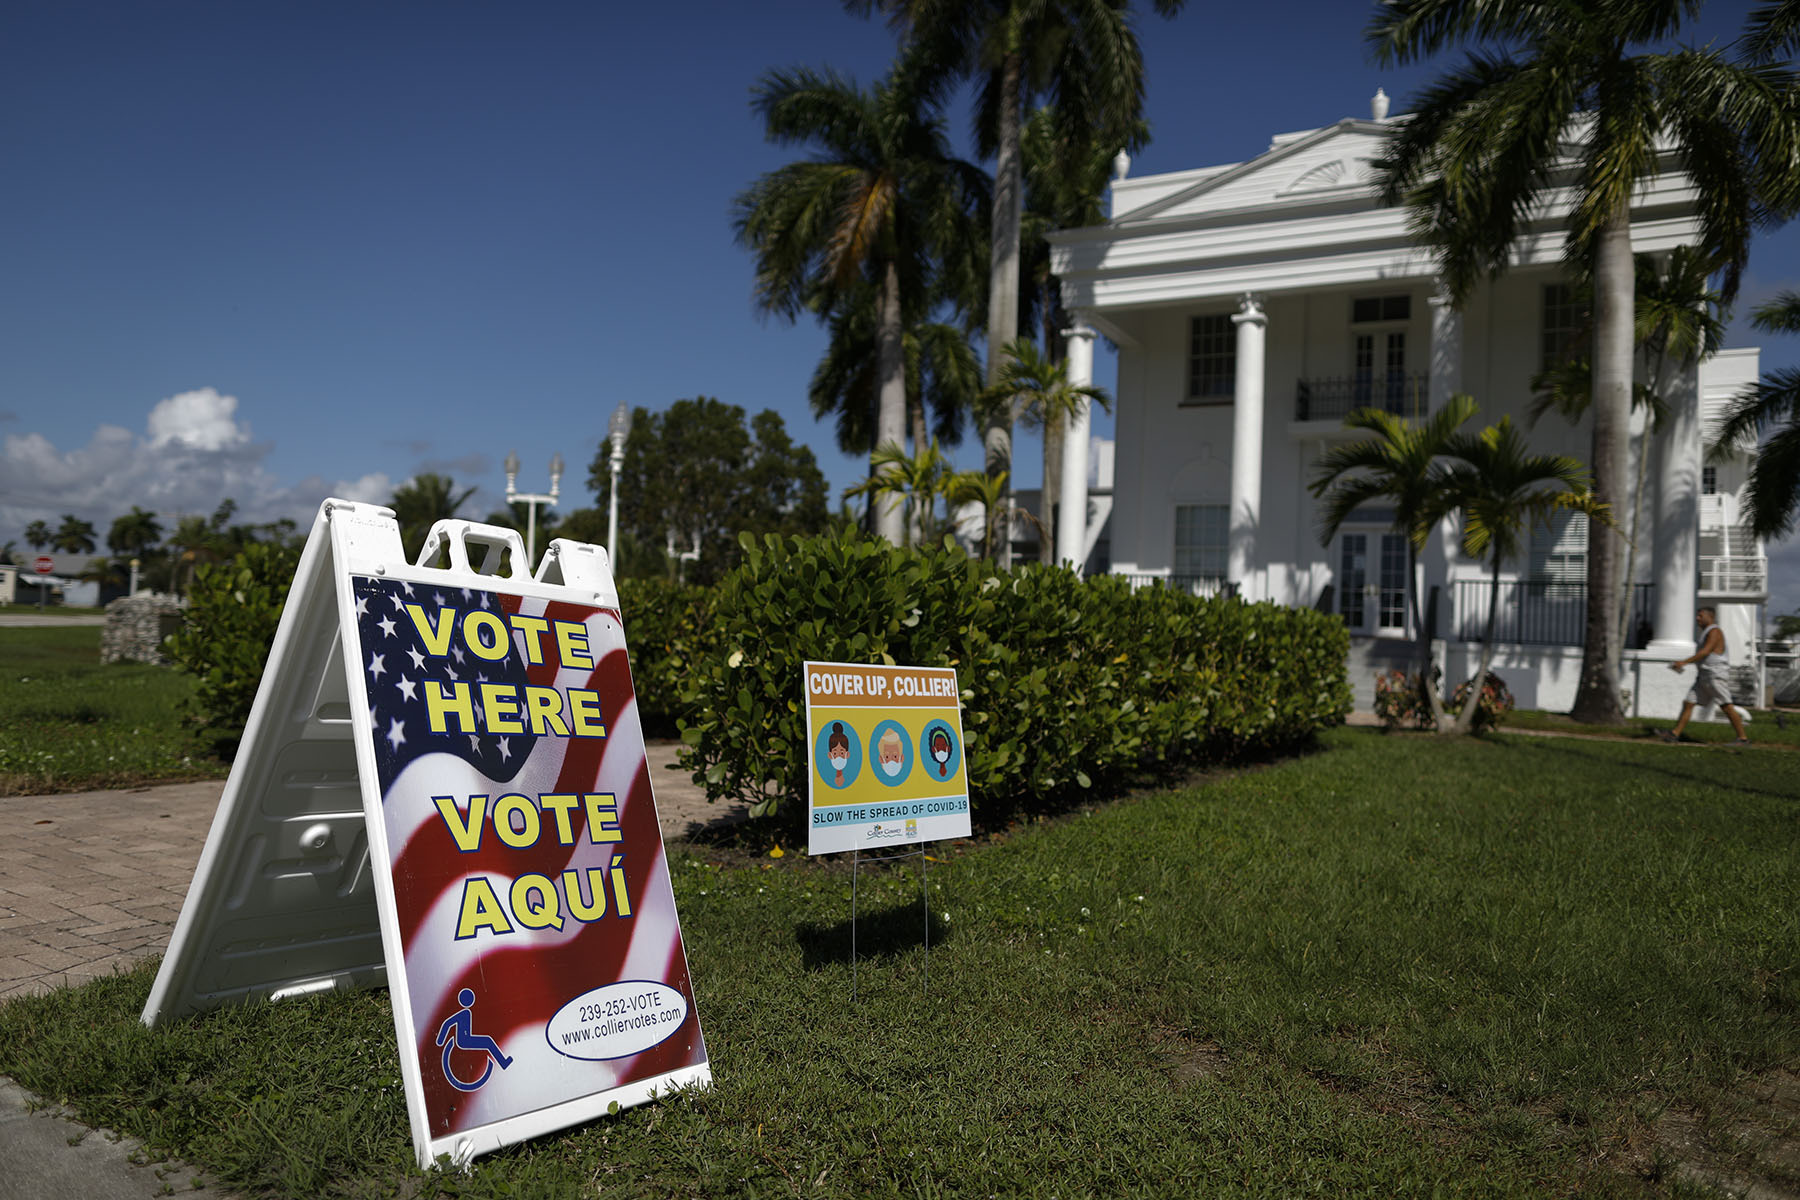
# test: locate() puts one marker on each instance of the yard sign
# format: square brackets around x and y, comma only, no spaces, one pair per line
[443,786]
[885,752]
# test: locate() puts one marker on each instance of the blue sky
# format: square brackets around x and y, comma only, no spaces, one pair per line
[276,250]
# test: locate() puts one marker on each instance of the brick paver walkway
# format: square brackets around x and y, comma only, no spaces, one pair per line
[93,881]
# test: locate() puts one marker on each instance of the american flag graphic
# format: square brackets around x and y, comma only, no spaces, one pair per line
[520,979]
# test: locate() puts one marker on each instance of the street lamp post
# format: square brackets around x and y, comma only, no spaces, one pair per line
[531,500]
[134,576]
[618,429]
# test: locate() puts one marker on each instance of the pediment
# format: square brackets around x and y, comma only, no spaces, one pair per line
[1336,159]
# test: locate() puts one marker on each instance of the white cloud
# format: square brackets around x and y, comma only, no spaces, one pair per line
[194,453]
[202,420]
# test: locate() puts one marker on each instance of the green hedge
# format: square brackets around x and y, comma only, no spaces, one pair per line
[1068,684]
[665,626]
[232,614]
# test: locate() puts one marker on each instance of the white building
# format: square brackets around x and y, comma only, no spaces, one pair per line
[1255,304]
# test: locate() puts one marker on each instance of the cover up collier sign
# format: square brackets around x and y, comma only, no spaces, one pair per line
[885,752]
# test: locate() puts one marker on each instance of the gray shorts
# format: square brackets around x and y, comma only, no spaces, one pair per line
[1709,688]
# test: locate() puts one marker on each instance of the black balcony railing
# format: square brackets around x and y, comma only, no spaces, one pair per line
[1194,585]
[1335,399]
[1542,614]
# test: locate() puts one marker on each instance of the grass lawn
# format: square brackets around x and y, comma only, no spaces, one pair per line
[69,723]
[1518,966]
[1766,728]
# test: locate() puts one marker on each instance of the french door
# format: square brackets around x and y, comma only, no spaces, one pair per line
[1371,582]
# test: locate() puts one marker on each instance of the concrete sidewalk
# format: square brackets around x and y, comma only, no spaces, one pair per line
[93,881]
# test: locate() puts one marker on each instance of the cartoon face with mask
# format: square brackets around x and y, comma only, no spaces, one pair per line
[892,753]
[837,751]
[940,751]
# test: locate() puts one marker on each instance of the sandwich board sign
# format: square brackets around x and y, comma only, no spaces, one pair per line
[443,787]
[885,756]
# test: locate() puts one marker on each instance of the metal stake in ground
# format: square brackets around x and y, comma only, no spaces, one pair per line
[924,901]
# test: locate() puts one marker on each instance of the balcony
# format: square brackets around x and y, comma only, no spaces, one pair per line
[1193,585]
[1728,577]
[1541,614]
[1334,398]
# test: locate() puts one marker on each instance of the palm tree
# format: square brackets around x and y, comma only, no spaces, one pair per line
[133,534]
[1403,465]
[1676,325]
[1501,489]
[1772,409]
[943,378]
[1563,95]
[38,535]
[918,479]
[1084,55]
[422,502]
[883,199]
[1041,392]
[995,497]
[74,535]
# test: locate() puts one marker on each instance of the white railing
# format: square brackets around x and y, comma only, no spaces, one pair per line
[1739,575]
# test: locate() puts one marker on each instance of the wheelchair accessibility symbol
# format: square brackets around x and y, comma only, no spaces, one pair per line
[457,1033]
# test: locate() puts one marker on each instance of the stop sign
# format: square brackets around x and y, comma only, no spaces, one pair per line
[43,565]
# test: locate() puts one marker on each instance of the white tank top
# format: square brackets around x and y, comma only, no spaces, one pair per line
[1717,663]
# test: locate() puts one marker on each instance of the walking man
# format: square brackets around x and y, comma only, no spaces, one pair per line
[1711,663]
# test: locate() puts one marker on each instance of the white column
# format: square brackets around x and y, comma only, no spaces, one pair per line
[1071,522]
[1246,446]
[1446,351]
[1675,547]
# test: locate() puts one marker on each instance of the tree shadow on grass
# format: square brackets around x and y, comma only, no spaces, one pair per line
[880,933]
[1700,776]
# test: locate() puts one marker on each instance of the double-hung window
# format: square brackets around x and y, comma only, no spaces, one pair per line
[1212,359]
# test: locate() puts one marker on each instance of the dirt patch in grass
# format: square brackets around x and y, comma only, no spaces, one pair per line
[1742,1141]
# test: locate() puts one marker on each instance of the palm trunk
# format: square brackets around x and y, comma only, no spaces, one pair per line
[1465,720]
[890,418]
[1637,510]
[1003,280]
[922,504]
[1597,695]
[1432,700]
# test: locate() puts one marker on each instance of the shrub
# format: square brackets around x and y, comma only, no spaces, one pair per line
[1496,702]
[233,610]
[1067,684]
[665,628]
[1400,700]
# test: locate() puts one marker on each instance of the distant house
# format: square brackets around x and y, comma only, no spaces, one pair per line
[1255,304]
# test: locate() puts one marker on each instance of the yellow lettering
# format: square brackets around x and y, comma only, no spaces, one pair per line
[545,705]
[500,705]
[466,830]
[562,805]
[547,913]
[496,644]
[576,894]
[437,641]
[504,808]
[621,898]
[602,817]
[572,644]
[534,628]
[444,700]
[584,707]
[480,910]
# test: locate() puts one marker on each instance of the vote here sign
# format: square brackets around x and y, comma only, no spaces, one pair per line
[885,752]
